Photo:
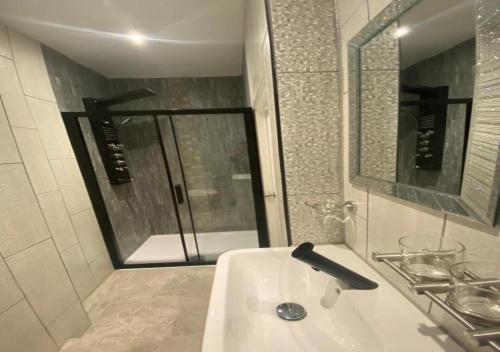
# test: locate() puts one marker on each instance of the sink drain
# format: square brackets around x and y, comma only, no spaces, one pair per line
[291,311]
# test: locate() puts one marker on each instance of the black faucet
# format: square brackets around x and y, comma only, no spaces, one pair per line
[305,253]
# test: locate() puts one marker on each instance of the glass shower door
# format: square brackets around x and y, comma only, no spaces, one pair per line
[215,163]
[143,213]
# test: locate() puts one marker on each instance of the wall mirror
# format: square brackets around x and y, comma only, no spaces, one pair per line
[425,123]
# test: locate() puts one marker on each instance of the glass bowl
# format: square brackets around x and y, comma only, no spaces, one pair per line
[475,291]
[429,258]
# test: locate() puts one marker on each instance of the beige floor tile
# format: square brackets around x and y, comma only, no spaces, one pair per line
[153,310]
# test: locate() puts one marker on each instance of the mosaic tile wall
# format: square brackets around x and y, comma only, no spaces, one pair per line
[379,111]
[305,43]
[482,167]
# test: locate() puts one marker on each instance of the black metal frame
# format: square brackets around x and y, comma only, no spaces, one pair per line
[84,161]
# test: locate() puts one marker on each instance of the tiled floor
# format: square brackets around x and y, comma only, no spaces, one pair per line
[148,310]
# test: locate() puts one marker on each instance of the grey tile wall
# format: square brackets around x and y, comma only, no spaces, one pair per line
[482,171]
[41,191]
[72,82]
[145,207]
[453,68]
[305,40]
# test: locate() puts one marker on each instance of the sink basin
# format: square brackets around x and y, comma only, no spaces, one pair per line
[250,283]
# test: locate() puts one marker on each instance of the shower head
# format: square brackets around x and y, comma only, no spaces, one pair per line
[123,123]
[128,96]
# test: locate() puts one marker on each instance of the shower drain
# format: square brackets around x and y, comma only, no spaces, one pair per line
[291,311]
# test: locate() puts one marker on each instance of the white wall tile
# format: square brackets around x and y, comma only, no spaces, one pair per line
[9,291]
[30,65]
[101,268]
[71,324]
[356,235]
[21,221]
[346,8]
[79,271]
[8,147]
[89,234]
[21,331]
[482,242]
[70,182]
[4,42]
[51,128]
[43,279]
[12,96]
[359,196]
[35,160]
[58,219]
[389,220]
[375,6]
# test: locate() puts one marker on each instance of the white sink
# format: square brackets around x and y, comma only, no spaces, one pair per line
[250,283]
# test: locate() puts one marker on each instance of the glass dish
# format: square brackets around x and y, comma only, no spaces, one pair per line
[475,291]
[428,257]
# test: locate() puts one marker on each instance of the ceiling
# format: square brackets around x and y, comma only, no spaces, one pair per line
[179,38]
[435,26]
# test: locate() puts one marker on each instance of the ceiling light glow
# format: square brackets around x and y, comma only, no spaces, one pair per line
[401,32]
[136,38]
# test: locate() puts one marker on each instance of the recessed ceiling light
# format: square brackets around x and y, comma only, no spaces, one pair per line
[136,38]
[401,32]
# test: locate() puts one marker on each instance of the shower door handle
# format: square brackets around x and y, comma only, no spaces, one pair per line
[178,194]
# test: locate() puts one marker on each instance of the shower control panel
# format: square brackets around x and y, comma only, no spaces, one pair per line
[112,151]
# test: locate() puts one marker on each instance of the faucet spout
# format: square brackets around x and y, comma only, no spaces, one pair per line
[305,253]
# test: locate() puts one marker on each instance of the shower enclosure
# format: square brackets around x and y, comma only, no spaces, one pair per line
[171,187]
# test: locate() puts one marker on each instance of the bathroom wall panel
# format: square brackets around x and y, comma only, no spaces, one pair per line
[72,81]
[182,93]
[30,255]
[304,35]
[305,39]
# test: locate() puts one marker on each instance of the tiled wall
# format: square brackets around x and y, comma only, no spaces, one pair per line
[455,69]
[145,207]
[305,44]
[381,220]
[379,93]
[52,255]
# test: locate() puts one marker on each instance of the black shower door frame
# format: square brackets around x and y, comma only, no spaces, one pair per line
[71,121]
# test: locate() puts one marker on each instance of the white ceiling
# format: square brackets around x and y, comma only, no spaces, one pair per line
[184,38]
[435,26]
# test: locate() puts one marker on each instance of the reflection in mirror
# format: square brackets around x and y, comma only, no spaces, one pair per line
[417,84]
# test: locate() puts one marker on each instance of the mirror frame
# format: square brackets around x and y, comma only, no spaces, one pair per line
[481,180]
